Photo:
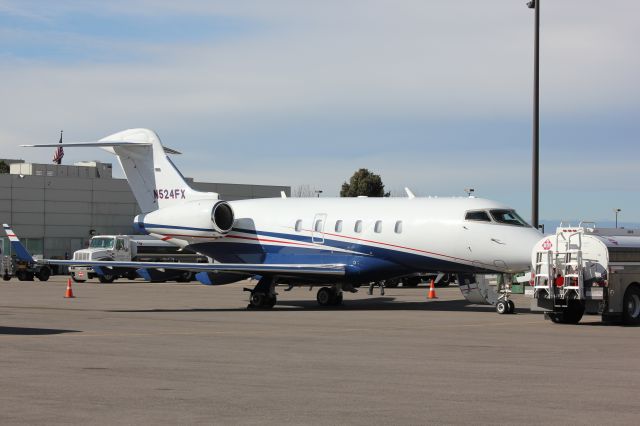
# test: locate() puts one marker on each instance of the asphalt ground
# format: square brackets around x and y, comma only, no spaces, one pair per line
[142,353]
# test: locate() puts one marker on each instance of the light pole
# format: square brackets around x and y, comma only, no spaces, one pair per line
[616,211]
[535,4]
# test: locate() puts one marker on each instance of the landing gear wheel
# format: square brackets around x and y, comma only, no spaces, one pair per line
[257,300]
[631,306]
[511,307]
[325,296]
[105,279]
[261,301]
[502,307]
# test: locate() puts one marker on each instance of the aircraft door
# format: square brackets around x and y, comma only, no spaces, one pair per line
[317,228]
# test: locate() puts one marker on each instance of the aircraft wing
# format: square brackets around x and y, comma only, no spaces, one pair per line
[290,270]
[295,270]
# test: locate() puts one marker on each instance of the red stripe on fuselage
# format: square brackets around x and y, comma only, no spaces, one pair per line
[335,235]
[397,246]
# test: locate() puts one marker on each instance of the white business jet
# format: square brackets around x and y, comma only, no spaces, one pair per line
[335,243]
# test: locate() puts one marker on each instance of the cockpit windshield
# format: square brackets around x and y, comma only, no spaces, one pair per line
[106,243]
[508,217]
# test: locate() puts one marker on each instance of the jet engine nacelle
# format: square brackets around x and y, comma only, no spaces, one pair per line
[200,218]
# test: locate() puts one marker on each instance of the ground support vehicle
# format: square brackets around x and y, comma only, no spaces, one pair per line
[137,248]
[23,270]
[587,269]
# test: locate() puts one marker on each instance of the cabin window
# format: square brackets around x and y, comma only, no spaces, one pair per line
[378,226]
[478,216]
[119,244]
[318,226]
[298,225]
[508,217]
[358,227]
[398,227]
[338,226]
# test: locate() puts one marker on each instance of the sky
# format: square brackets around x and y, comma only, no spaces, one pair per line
[435,95]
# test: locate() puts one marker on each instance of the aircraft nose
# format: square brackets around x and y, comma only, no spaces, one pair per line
[518,250]
[528,240]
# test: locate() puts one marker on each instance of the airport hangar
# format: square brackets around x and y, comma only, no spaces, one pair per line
[56,208]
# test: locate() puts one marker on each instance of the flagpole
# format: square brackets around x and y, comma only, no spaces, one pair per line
[57,157]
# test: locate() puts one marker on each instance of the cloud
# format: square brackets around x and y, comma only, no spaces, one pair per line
[436,95]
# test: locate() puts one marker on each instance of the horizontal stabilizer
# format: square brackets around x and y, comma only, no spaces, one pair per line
[98,144]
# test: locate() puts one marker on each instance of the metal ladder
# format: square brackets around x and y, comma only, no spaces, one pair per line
[543,278]
[568,263]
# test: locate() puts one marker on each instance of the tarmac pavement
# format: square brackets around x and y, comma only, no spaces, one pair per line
[143,353]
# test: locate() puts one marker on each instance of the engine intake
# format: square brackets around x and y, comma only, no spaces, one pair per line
[222,217]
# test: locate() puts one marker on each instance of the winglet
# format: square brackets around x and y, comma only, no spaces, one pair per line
[20,251]
[409,193]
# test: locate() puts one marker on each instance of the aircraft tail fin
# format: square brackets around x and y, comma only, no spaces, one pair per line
[17,247]
[152,176]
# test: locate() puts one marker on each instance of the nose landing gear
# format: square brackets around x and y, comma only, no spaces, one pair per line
[505,307]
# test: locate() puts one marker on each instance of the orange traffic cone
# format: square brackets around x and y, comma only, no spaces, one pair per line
[69,292]
[432,291]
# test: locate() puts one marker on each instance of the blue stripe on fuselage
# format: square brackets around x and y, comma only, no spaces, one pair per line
[377,263]
[368,259]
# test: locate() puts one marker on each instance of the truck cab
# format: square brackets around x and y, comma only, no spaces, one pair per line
[102,247]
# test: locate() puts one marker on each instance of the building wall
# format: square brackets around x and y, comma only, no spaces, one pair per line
[55,214]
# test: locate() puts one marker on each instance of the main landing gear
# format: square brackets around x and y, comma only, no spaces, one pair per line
[329,296]
[263,295]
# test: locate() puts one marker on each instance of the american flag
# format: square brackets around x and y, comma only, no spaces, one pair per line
[57,157]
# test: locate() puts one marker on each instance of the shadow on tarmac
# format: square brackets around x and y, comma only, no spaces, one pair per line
[25,331]
[371,304]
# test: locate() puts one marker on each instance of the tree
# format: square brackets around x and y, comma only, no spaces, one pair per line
[4,167]
[363,182]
